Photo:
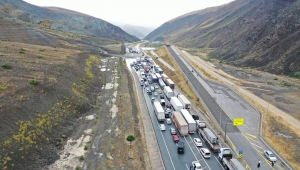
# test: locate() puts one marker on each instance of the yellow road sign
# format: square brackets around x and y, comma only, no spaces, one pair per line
[238,121]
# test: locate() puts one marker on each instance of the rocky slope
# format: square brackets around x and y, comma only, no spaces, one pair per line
[62,19]
[264,34]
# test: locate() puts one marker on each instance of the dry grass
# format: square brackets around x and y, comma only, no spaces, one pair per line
[176,76]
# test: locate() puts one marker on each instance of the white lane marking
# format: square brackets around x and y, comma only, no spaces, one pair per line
[229,108]
[255,145]
[187,167]
[219,162]
[199,153]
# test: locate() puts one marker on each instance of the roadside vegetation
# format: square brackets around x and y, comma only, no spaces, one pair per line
[176,76]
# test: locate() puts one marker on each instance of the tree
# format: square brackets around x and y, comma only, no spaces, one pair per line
[130,138]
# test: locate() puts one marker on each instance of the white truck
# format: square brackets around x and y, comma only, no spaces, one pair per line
[180,123]
[176,104]
[164,77]
[189,119]
[225,157]
[168,92]
[209,137]
[184,101]
[159,111]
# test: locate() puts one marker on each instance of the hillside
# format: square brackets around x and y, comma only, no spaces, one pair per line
[62,19]
[261,34]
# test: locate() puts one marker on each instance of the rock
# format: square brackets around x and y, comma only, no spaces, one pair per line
[64,136]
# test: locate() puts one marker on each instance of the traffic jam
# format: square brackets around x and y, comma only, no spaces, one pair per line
[173,108]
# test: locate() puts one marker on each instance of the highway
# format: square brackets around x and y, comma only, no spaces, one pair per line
[225,105]
[171,159]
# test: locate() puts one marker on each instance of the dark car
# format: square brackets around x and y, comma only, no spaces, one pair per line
[169,106]
[162,96]
[195,117]
[180,147]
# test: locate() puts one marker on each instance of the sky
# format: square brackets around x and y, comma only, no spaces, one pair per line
[147,13]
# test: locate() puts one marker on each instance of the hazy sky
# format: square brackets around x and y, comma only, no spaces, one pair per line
[151,13]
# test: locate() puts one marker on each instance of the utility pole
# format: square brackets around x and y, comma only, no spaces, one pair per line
[226,130]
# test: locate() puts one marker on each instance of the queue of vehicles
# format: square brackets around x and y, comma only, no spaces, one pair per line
[184,122]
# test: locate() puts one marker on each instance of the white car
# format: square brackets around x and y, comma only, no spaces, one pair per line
[205,152]
[168,120]
[270,156]
[155,94]
[196,166]
[162,127]
[197,142]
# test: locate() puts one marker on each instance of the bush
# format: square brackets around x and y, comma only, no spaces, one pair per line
[78,168]
[39,56]
[81,158]
[297,74]
[268,82]
[275,78]
[85,147]
[286,84]
[33,82]
[6,66]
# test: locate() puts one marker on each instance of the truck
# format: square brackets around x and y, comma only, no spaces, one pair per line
[168,92]
[209,137]
[190,121]
[154,78]
[225,157]
[164,77]
[184,101]
[158,76]
[176,104]
[159,111]
[180,123]
[160,71]
[161,83]
[170,83]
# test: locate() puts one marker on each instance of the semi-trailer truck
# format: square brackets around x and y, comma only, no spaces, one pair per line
[209,137]
[164,77]
[176,104]
[161,83]
[184,101]
[225,157]
[190,121]
[154,78]
[180,123]
[170,83]
[159,111]
[168,92]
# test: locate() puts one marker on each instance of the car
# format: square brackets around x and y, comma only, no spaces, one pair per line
[270,156]
[197,142]
[173,131]
[205,152]
[168,121]
[152,99]
[180,147]
[162,127]
[175,138]
[156,86]
[162,96]
[155,93]
[168,110]
[159,91]
[196,166]
[169,106]
[195,117]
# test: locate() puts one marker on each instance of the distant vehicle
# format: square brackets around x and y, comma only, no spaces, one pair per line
[208,136]
[159,111]
[155,94]
[152,88]
[162,96]
[180,147]
[159,91]
[168,121]
[225,157]
[152,99]
[189,119]
[176,103]
[167,113]
[180,123]
[205,152]
[195,117]
[184,101]
[162,102]
[168,92]
[169,106]
[162,127]
[196,166]
[175,138]
[172,131]
[270,156]
[156,86]
[197,142]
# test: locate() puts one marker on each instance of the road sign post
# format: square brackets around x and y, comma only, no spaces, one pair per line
[238,121]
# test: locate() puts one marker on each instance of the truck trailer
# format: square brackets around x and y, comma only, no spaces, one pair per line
[164,77]
[168,92]
[170,83]
[209,137]
[158,76]
[185,102]
[180,123]
[176,104]
[161,83]
[160,71]
[225,157]
[154,78]
[159,111]
[190,121]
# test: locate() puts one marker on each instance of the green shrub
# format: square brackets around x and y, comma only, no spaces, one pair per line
[81,158]
[78,168]
[275,78]
[22,52]
[3,87]
[33,82]
[297,74]
[39,56]
[286,84]
[85,147]
[268,82]
[6,66]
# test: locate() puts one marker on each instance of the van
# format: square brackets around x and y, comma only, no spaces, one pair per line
[152,88]
[162,102]
[180,147]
